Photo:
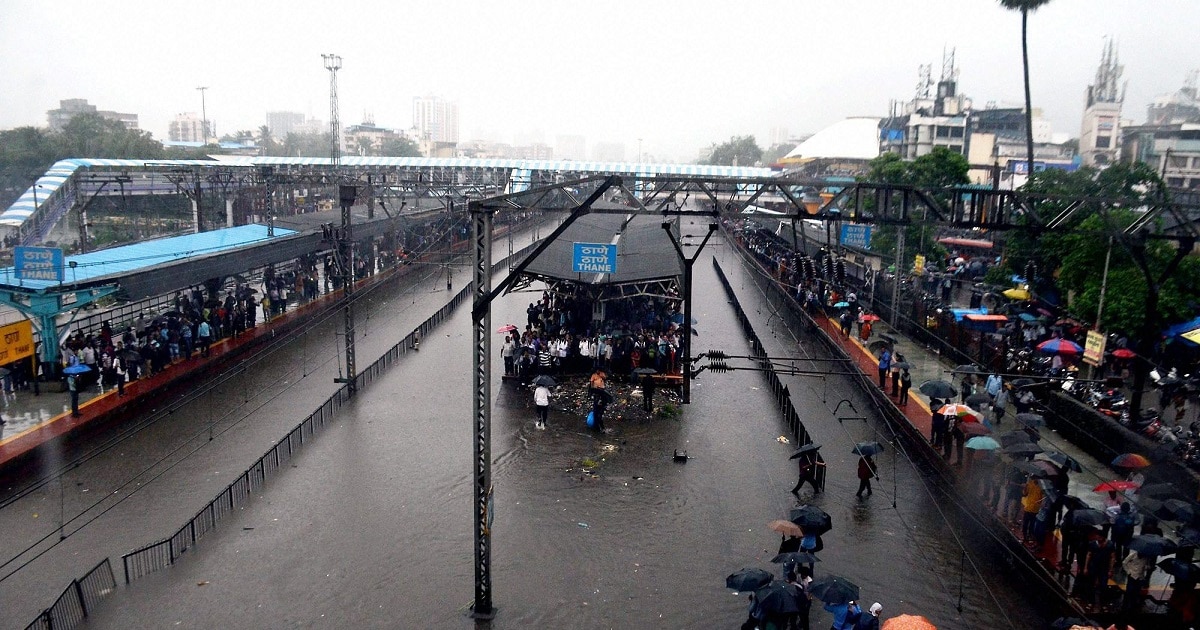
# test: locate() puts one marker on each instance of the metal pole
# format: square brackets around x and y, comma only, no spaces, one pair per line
[346,196]
[896,276]
[1104,284]
[481,350]
[203,115]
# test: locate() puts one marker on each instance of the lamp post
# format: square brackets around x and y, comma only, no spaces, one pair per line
[203,114]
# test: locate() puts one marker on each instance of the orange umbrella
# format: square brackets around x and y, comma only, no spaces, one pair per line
[908,622]
[786,527]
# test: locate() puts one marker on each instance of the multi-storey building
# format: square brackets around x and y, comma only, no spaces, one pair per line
[435,119]
[72,107]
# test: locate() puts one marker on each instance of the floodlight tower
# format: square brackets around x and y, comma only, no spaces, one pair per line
[333,63]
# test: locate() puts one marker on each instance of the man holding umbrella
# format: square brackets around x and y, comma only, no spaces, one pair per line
[806,456]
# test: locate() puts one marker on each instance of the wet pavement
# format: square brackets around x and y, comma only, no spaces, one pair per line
[157,470]
[372,525]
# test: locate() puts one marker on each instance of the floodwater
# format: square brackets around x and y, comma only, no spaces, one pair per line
[372,525]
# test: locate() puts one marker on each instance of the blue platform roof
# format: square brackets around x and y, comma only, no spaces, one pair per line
[129,259]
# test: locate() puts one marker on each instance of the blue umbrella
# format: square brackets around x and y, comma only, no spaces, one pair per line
[78,368]
[1028,317]
[841,305]
[982,443]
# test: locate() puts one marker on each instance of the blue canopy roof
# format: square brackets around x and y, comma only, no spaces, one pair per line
[132,258]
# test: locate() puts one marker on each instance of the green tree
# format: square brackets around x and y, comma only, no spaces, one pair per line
[25,153]
[90,135]
[266,142]
[400,147]
[306,145]
[739,151]
[938,169]
[777,151]
[1025,7]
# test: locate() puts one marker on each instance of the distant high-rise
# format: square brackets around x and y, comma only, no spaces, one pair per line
[186,127]
[283,123]
[435,119]
[1101,130]
[72,107]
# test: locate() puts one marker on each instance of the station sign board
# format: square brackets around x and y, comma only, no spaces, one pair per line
[594,258]
[16,342]
[38,263]
[856,235]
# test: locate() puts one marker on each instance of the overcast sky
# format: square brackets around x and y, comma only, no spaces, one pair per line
[678,75]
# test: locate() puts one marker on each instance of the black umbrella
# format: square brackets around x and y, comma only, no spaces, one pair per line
[1027,448]
[777,598]
[832,589]
[888,338]
[867,449]
[938,389]
[877,345]
[1168,381]
[545,380]
[1066,623]
[1087,517]
[1152,545]
[1031,419]
[902,365]
[1014,437]
[1023,382]
[1062,460]
[1179,510]
[1031,469]
[795,557]
[1183,571]
[748,579]
[1074,503]
[645,370]
[1161,490]
[975,400]
[969,368]
[811,447]
[812,519]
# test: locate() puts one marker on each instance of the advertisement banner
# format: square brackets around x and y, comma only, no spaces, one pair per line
[1093,349]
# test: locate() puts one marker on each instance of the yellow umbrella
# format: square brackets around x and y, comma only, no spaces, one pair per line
[908,622]
[1017,294]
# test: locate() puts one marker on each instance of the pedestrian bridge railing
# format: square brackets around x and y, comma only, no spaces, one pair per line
[783,397]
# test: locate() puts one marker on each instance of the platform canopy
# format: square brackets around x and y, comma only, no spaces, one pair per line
[646,261]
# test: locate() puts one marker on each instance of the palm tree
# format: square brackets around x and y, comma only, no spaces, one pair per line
[1025,7]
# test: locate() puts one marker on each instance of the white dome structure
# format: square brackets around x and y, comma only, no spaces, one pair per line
[850,139]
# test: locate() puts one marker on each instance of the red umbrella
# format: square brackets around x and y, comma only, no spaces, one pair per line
[1124,353]
[972,429]
[1130,460]
[870,317]
[1116,485]
[506,328]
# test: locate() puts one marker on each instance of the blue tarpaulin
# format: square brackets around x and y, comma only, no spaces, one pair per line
[959,313]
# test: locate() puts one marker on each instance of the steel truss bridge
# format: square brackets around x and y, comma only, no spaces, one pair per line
[673,197]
